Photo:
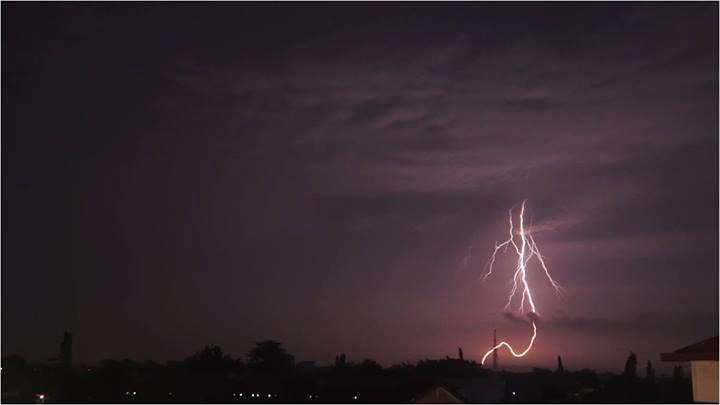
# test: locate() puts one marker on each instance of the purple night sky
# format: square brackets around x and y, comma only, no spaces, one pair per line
[181,175]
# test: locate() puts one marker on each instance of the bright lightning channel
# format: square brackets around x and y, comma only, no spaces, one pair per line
[526,249]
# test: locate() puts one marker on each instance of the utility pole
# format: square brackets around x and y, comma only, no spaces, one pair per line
[495,354]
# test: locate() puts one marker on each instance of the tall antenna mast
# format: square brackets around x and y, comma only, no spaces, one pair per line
[495,353]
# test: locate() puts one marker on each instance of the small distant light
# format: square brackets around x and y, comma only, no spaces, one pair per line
[269,395]
[241,394]
[513,392]
[134,393]
[234,394]
[355,397]
[127,392]
[41,396]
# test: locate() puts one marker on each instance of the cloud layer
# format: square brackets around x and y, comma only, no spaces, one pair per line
[346,170]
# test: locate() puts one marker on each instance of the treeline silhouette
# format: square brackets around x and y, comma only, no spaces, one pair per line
[269,374]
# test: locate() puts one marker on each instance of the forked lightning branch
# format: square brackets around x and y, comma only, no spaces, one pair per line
[526,249]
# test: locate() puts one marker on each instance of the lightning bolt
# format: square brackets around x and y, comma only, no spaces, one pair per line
[526,249]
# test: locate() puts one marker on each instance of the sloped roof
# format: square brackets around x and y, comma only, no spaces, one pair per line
[704,350]
[437,395]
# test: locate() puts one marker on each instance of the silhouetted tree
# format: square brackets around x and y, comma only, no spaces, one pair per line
[340,360]
[359,371]
[369,366]
[17,374]
[270,356]
[681,389]
[460,354]
[402,368]
[631,366]
[678,375]
[14,362]
[650,373]
[210,359]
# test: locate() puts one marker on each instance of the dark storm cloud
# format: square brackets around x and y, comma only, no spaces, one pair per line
[637,323]
[388,106]
[344,166]
[521,319]
[614,142]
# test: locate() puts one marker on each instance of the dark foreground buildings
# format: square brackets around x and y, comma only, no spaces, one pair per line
[270,375]
[703,359]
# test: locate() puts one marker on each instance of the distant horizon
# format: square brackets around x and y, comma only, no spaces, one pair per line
[662,368]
